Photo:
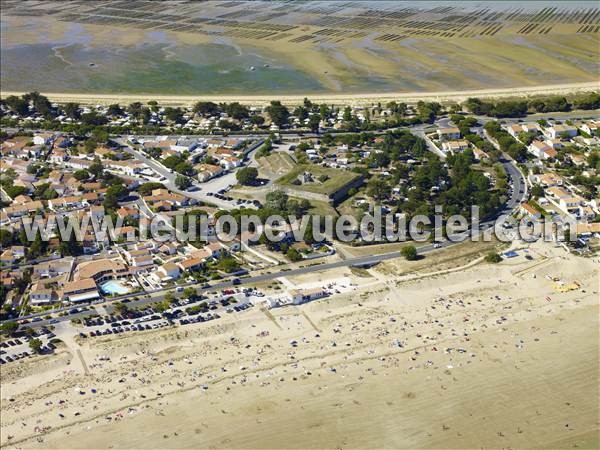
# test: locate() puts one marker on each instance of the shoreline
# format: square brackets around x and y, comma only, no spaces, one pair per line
[353,99]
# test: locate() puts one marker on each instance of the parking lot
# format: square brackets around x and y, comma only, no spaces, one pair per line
[18,348]
[197,309]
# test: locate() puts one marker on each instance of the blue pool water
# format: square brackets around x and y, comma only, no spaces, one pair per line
[113,287]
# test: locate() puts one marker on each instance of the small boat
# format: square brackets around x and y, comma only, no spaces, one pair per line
[252,68]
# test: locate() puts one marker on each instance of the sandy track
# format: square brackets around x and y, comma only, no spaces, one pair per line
[355,99]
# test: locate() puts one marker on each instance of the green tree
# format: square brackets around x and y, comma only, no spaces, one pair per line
[81,175]
[228,264]
[97,168]
[147,188]
[121,308]
[206,108]
[409,252]
[170,298]
[6,237]
[277,200]
[293,254]
[493,258]
[278,113]
[247,176]
[35,345]
[537,191]
[9,327]
[190,292]
[71,110]
[182,182]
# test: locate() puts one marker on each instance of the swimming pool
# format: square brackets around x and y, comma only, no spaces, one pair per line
[114,287]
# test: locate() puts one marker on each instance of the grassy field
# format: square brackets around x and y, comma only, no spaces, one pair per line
[275,165]
[336,179]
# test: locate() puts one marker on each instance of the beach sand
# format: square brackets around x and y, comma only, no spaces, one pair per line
[484,356]
[337,99]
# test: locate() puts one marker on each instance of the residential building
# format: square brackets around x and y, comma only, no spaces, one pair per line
[448,134]
[101,270]
[81,290]
[455,146]
[41,294]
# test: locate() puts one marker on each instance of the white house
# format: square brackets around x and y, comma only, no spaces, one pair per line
[449,134]
[299,296]
[40,294]
[43,138]
[559,130]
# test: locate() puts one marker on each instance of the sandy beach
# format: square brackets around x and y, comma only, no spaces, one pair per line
[338,99]
[486,356]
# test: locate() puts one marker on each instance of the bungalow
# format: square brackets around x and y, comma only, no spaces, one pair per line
[51,269]
[168,248]
[64,203]
[78,163]
[455,146]
[127,233]
[91,198]
[207,171]
[202,254]
[448,134]
[230,162]
[561,130]
[170,270]
[139,258]
[191,264]
[549,153]
[22,210]
[555,143]
[570,204]
[45,138]
[515,129]
[128,213]
[557,192]
[214,249]
[127,167]
[578,160]
[479,154]
[588,228]
[548,179]
[81,290]
[527,209]
[7,257]
[587,212]
[539,149]
[532,127]
[590,128]
[58,156]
